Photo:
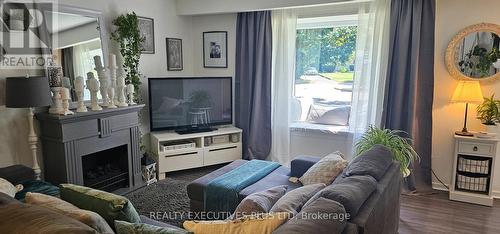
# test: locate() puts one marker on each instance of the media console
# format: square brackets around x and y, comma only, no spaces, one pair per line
[173,154]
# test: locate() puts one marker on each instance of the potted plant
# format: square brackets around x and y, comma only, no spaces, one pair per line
[489,114]
[401,147]
[129,38]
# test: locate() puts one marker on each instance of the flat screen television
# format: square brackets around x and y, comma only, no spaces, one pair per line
[190,104]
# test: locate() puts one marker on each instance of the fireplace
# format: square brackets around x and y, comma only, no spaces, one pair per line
[94,149]
[106,170]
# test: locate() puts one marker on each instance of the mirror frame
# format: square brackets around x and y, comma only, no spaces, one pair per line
[102,31]
[451,51]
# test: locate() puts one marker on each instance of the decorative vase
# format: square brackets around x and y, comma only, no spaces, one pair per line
[491,128]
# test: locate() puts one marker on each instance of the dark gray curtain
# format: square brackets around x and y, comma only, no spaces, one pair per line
[410,81]
[253,82]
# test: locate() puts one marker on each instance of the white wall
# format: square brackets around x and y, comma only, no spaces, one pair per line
[199,7]
[451,17]
[14,133]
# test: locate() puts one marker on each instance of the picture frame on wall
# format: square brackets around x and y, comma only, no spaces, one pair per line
[215,49]
[174,54]
[146,29]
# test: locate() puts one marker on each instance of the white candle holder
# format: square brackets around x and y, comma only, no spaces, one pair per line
[112,75]
[103,80]
[93,87]
[56,107]
[121,89]
[65,102]
[130,92]
[79,89]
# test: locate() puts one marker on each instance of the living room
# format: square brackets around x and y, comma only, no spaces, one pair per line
[221,116]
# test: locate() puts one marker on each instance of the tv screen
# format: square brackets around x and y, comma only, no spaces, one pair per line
[196,102]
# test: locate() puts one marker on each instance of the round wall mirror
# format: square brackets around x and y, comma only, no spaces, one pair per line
[474,53]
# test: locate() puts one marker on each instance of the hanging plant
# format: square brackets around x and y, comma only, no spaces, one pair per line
[129,38]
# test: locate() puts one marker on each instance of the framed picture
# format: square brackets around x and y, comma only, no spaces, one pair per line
[174,54]
[215,49]
[146,29]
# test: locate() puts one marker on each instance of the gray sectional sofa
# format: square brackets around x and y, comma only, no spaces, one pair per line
[375,209]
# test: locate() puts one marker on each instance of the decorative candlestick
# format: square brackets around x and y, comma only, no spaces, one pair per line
[54,74]
[79,89]
[130,92]
[120,89]
[112,75]
[65,101]
[93,87]
[103,80]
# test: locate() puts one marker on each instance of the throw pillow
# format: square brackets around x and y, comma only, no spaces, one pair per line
[110,206]
[373,162]
[37,186]
[322,216]
[260,202]
[351,192]
[90,218]
[325,171]
[7,188]
[293,201]
[123,227]
[261,223]
[26,218]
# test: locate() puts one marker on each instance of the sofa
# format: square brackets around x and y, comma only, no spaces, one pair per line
[18,174]
[379,213]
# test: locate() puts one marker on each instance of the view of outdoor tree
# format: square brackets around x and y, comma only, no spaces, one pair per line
[327,51]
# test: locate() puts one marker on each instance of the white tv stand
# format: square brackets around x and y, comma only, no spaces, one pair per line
[200,155]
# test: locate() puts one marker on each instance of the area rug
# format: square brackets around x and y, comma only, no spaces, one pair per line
[167,200]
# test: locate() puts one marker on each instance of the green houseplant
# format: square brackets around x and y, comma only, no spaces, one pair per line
[488,112]
[401,147]
[127,35]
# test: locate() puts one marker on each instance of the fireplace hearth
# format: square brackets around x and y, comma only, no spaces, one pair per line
[94,149]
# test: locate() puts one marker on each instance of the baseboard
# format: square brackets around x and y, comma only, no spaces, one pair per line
[441,187]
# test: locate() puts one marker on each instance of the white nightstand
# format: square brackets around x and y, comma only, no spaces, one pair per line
[473,164]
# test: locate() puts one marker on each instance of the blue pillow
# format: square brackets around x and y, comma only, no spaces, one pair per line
[37,186]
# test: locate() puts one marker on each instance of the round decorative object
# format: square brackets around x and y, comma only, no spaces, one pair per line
[473,54]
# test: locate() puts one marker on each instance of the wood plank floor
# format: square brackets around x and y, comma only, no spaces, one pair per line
[436,214]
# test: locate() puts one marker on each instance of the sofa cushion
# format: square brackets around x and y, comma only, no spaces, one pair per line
[261,223]
[293,201]
[87,217]
[324,171]
[17,174]
[37,186]
[26,218]
[7,188]
[123,227]
[322,216]
[373,162]
[260,202]
[110,206]
[278,177]
[351,192]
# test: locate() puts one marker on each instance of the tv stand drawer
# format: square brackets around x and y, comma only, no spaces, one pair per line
[181,161]
[222,154]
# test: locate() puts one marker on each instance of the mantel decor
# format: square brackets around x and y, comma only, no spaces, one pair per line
[474,53]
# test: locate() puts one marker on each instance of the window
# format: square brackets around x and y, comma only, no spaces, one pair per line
[325,52]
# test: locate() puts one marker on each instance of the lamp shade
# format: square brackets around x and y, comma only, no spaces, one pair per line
[22,92]
[467,92]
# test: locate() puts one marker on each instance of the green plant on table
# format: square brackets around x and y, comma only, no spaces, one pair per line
[401,147]
[488,111]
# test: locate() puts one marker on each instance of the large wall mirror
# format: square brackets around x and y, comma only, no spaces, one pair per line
[474,53]
[77,35]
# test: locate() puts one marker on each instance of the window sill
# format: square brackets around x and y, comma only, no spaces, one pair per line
[319,128]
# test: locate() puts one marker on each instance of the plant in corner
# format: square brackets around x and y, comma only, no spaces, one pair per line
[401,147]
[488,112]
[129,38]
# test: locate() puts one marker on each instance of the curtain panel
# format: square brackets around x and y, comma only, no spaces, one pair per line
[410,81]
[253,82]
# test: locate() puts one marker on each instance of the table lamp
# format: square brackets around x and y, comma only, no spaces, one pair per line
[28,92]
[467,92]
